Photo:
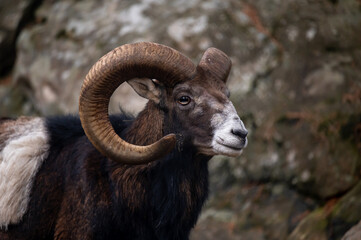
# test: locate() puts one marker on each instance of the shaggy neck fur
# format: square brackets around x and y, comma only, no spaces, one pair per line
[148,125]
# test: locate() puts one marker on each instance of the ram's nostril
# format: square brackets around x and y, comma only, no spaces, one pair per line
[242,133]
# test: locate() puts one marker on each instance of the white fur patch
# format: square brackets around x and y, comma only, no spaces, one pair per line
[23,153]
[224,141]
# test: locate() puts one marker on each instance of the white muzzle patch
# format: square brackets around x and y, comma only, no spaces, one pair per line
[230,134]
[20,158]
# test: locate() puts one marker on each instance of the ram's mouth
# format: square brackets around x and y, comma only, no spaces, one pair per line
[221,147]
[236,145]
[235,148]
[232,148]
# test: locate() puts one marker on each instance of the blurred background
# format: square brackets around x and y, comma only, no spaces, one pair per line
[295,81]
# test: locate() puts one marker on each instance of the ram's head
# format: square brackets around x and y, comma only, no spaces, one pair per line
[194,101]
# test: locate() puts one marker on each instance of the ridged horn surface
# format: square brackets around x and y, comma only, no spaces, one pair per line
[138,60]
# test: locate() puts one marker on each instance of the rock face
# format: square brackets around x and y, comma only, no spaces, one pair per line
[295,81]
[14,15]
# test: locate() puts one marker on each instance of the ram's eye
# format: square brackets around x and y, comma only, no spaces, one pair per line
[184,100]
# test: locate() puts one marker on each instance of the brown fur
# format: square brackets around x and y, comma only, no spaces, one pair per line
[149,123]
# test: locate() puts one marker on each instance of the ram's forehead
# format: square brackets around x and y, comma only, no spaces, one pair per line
[209,81]
[216,89]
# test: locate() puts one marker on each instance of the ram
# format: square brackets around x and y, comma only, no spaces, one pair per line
[114,177]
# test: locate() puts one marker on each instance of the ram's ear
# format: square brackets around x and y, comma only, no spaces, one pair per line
[147,88]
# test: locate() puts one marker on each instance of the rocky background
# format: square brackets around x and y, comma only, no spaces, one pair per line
[296,83]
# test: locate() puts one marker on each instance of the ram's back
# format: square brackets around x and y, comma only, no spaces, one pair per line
[25,144]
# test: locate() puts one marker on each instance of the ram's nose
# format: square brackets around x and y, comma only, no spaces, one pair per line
[240,132]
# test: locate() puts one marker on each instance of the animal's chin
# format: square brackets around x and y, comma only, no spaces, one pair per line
[231,151]
[221,149]
[233,147]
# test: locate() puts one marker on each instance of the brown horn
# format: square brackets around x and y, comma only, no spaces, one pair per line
[138,60]
[216,63]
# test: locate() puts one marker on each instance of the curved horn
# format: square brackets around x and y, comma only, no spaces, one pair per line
[138,60]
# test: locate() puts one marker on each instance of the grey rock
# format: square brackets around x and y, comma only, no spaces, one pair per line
[313,227]
[11,13]
[14,15]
